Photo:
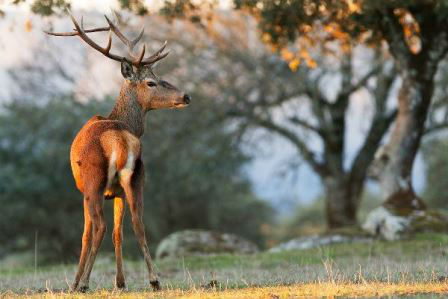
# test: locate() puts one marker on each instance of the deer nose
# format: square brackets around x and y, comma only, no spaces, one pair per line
[187,99]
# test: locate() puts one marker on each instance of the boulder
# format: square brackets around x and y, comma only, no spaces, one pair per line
[382,222]
[307,242]
[390,226]
[201,242]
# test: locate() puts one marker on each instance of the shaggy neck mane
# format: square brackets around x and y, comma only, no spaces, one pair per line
[128,110]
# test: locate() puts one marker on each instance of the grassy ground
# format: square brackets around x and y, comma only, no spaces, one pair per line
[349,270]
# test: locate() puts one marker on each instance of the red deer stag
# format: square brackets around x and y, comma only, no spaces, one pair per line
[106,154]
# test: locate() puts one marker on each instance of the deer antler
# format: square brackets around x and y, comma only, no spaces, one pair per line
[131,44]
[135,60]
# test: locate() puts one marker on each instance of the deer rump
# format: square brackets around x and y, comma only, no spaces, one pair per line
[108,150]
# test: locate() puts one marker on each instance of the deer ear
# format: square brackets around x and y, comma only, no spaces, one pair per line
[127,70]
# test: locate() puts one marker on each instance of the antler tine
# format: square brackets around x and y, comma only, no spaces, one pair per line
[136,61]
[153,59]
[75,33]
[126,41]
[118,33]
[109,42]
[138,38]
[142,54]
[158,55]
[131,44]
[105,51]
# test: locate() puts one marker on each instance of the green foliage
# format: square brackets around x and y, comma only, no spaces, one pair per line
[175,9]
[37,191]
[136,6]
[193,177]
[277,19]
[371,15]
[49,7]
[46,7]
[282,25]
[436,159]
[367,262]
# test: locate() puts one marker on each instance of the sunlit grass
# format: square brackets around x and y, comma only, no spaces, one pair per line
[310,290]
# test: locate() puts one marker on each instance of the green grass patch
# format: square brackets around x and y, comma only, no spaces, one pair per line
[422,260]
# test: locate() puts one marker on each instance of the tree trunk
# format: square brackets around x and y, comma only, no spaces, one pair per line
[397,217]
[417,70]
[396,177]
[341,203]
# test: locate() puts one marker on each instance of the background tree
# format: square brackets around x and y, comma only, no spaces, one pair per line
[327,122]
[261,91]
[417,39]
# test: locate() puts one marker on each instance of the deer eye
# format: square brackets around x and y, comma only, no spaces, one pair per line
[151,84]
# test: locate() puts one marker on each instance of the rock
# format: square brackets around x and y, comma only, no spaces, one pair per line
[199,242]
[316,241]
[390,227]
[383,222]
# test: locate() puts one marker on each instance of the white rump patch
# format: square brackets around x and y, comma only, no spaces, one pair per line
[112,170]
[128,169]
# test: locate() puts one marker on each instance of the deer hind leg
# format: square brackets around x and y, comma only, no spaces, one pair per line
[132,183]
[86,244]
[95,204]
[117,237]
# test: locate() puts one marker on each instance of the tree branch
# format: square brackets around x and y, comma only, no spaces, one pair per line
[362,82]
[435,128]
[394,35]
[307,154]
[378,128]
[305,125]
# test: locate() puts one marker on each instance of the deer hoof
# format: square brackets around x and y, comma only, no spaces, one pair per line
[83,289]
[155,284]
[211,285]
[120,285]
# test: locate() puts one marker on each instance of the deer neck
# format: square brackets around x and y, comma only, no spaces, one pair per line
[128,110]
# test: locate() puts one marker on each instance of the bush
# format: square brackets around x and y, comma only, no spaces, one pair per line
[193,177]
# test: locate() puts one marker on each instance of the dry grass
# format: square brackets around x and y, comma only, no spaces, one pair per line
[347,270]
[311,290]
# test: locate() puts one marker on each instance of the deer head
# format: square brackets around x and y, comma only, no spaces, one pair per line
[151,91]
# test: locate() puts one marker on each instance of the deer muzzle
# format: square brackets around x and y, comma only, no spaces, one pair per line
[187,99]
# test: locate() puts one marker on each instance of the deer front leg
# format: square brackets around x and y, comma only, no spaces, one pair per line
[117,237]
[132,183]
[95,203]
[86,244]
